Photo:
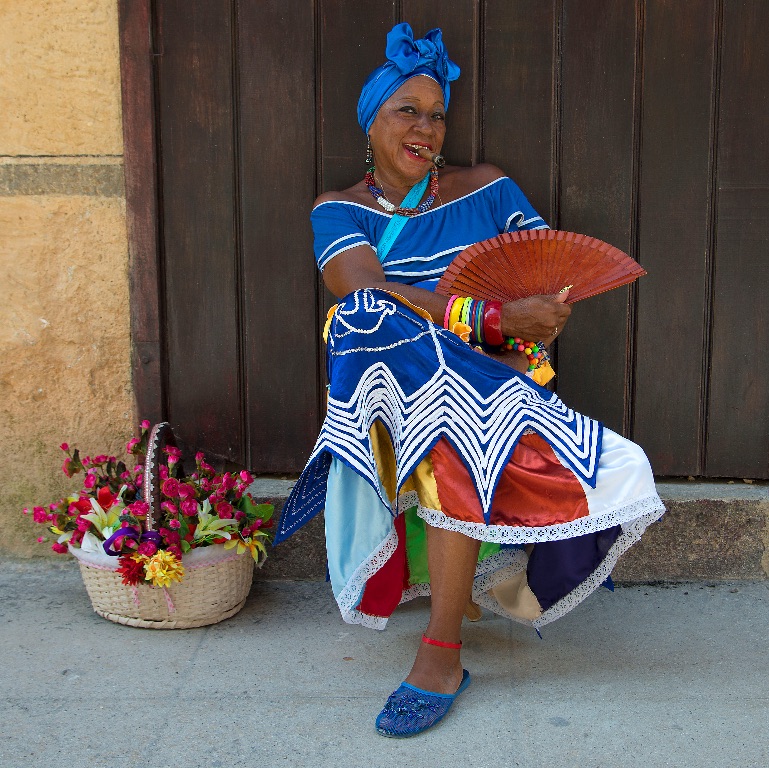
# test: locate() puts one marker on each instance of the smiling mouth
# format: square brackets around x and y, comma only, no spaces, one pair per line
[413,149]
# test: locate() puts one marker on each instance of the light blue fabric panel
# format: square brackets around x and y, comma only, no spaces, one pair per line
[351,538]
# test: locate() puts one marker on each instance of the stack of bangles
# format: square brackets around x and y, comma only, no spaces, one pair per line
[484,318]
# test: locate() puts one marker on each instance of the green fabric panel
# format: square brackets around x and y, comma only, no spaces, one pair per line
[488,549]
[416,548]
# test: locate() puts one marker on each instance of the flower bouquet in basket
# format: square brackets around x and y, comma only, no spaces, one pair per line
[156,548]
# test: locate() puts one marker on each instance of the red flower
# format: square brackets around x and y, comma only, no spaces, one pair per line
[105,497]
[131,570]
[82,505]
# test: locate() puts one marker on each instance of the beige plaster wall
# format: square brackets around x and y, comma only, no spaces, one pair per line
[64,319]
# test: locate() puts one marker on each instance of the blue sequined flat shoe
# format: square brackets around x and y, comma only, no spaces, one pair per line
[410,710]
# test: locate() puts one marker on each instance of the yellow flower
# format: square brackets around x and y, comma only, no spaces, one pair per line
[251,544]
[163,568]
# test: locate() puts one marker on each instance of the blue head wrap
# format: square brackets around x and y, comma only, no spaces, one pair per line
[406,58]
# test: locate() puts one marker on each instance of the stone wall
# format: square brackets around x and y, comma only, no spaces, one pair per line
[64,320]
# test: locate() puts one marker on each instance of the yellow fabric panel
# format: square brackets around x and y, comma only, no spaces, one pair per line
[422,479]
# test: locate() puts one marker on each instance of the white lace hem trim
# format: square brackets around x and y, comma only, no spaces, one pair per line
[624,515]
[498,568]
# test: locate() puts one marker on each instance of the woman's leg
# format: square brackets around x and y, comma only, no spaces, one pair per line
[451,559]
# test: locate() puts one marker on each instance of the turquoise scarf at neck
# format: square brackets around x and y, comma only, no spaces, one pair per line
[397,222]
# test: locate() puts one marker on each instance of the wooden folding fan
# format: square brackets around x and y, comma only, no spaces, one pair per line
[538,262]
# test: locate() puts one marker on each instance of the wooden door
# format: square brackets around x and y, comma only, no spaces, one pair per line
[643,123]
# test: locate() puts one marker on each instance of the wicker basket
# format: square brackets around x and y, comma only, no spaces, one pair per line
[215,585]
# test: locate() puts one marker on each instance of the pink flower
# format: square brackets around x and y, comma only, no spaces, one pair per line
[90,480]
[173,451]
[100,459]
[224,510]
[163,472]
[66,468]
[174,525]
[200,456]
[189,507]
[147,548]
[186,491]
[40,539]
[64,446]
[83,525]
[60,548]
[86,461]
[240,515]
[39,514]
[145,424]
[139,508]
[246,477]
[169,507]
[228,481]
[173,537]
[139,479]
[176,551]
[170,487]
[257,524]
[131,444]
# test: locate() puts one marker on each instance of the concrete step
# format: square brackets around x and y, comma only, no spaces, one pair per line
[711,531]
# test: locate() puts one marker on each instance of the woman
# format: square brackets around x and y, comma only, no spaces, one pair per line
[442,471]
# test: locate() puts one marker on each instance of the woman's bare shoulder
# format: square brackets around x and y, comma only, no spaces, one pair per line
[352,195]
[463,180]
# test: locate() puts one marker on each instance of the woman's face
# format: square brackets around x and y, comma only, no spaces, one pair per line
[413,115]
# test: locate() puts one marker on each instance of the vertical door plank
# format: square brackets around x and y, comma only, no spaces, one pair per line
[597,138]
[518,103]
[458,23]
[277,184]
[673,240]
[202,323]
[352,44]
[738,427]
[140,159]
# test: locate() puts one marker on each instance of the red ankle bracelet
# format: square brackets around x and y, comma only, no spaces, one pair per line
[440,643]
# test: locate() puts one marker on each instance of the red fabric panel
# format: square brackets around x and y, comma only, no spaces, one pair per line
[383,591]
[535,489]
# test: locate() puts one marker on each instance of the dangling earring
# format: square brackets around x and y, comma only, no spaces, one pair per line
[369,153]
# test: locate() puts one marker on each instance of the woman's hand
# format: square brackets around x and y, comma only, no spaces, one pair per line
[536,318]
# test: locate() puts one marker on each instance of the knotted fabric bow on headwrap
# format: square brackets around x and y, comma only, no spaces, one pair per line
[406,58]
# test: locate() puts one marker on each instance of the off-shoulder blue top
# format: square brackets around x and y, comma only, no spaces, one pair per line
[430,240]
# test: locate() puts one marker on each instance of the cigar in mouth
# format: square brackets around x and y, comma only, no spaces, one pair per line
[438,160]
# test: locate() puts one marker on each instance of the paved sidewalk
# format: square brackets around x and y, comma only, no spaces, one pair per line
[647,676]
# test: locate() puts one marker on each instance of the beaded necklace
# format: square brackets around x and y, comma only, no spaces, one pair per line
[379,194]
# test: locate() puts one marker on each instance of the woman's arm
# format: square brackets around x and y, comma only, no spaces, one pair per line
[359,268]
[532,318]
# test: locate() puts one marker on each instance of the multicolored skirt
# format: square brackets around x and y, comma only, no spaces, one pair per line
[422,430]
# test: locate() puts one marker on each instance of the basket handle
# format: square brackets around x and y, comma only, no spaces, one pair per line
[161,435]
